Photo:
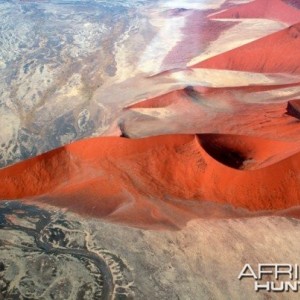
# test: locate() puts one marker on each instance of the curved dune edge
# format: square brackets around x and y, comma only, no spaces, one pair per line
[197,94]
[278,10]
[275,53]
[246,152]
[158,181]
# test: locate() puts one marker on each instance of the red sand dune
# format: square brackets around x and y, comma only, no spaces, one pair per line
[276,53]
[153,180]
[245,152]
[258,111]
[185,95]
[279,10]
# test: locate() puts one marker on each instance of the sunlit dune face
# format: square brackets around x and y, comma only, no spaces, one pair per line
[279,10]
[158,181]
[149,149]
[203,120]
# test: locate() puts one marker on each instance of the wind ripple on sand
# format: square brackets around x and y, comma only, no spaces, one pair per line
[163,181]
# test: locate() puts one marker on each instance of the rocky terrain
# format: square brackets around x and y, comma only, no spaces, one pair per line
[50,254]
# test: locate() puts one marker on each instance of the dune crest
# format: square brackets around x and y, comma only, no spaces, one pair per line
[146,182]
[228,139]
[245,152]
[279,10]
[276,53]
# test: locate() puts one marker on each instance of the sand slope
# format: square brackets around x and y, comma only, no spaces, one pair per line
[276,53]
[227,138]
[278,10]
[159,180]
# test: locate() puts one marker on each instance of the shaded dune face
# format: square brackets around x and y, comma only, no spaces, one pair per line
[175,98]
[276,53]
[161,181]
[280,10]
[245,152]
[294,3]
[293,108]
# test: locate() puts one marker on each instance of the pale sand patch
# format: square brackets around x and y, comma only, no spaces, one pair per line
[169,34]
[272,96]
[9,124]
[227,78]
[194,4]
[244,32]
[159,113]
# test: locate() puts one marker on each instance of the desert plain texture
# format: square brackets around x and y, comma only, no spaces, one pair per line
[151,147]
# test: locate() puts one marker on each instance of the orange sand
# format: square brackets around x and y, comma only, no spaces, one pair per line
[164,181]
[153,180]
[278,10]
[277,52]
